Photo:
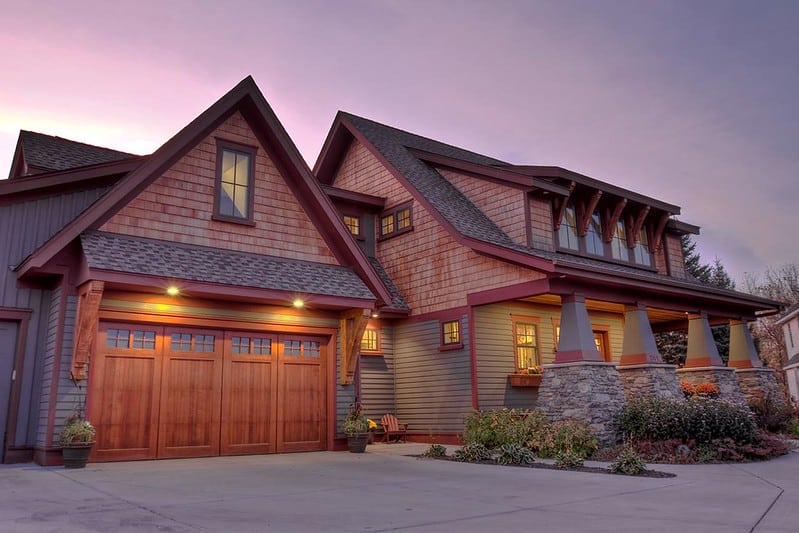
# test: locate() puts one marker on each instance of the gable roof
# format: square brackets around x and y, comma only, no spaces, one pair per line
[788,314]
[250,102]
[38,152]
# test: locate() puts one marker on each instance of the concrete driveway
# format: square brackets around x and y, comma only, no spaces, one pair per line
[385,490]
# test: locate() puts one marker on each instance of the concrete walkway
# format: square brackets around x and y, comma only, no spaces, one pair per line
[385,490]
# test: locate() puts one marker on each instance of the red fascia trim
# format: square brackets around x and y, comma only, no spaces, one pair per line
[366,200]
[63,178]
[506,254]
[511,292]
[330,157]
[473,359]
[158,285]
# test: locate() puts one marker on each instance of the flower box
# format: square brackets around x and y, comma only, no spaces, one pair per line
[525,380]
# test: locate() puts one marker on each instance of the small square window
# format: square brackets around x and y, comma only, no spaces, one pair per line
[387,225]
[451,332]
[404,218]
[395,221]
[369,341]
[353,224]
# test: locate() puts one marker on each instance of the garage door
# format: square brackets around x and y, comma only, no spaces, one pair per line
[166,392]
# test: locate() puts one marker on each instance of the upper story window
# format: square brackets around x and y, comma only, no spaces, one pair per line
[353,224]
[567,234]
[618,244]
[593,239]
[396,221]
[643,256]
[234,182]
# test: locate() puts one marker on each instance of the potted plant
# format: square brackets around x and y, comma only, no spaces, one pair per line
[356,427]
[527,377]
[77,439]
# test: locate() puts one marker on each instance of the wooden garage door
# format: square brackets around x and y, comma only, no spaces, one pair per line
[184,392]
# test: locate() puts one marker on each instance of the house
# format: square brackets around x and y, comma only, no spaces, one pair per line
[216,297]
[790,328]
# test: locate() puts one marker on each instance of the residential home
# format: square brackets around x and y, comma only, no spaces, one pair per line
[790,328]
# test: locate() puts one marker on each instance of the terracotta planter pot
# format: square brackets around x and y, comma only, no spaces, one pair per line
[357,443]
[76,454]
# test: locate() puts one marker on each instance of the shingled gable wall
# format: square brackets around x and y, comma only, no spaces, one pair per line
[427,265]
[178,206]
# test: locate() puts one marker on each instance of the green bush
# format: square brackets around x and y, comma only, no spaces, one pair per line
[472,453]
[497,427]
[772,412]
[435,450]
[793,427]
[628,462]
[513,454]
[566,436]
[568,460]
[702,420]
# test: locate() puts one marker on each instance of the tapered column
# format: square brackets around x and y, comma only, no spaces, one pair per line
[576,341]
[743,353]
[639,345]
[702,351]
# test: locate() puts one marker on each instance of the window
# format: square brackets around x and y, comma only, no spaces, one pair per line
[144,340]
[396,221]
[526,345]
[353,224]
[125,338]
[593,239]
[117,338]
[618,245]
[370,342]
[187,342]
[234,187]
[567,234]
[602,344]
[450,332]
[641,250]
[251,345]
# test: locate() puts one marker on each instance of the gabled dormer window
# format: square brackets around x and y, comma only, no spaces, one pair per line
[353,224]
[618,244]
[234,182]
[593,239]
[396,221]
[643,255]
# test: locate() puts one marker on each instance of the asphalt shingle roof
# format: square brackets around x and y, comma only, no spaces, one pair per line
[398,303]
[137,255]
[56,153]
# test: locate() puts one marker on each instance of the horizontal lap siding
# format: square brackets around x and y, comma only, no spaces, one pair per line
[377,378]
[70,397]
[47,366]
[496,355]
[433,388]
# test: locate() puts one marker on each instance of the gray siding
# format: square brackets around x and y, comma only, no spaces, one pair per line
[345,394]
[377,379]
[433,388]
[47,363]
[69,397]
[496,359]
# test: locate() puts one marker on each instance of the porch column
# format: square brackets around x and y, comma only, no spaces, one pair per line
[641,367]
[576,341]
[579,384]
[703,363]
[702,351]
[756,382]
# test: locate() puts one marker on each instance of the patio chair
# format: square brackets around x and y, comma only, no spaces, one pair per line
[393,428]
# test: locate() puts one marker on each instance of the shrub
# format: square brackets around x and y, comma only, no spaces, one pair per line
[513,454]
[793,427]
[772,412]
[435,450]
[628,462]
[702,420]
[503,426]
[473,452]
[76,429]
[567,460]
[569,437]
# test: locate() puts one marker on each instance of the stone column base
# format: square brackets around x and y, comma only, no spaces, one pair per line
[588,391]
[723,377]
[759,383]
[650,380]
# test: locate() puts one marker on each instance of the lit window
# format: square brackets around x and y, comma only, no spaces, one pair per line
[618,244]
[369,342]
[526,345]
[234,182]
[593,239]
[398,220]
[353,224]
[450,332]
[641,250]
[567,234]
[602,344]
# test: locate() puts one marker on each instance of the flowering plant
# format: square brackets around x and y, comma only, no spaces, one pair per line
[704,390]
[355,422]
[76,429]
[372,424]
[533,370]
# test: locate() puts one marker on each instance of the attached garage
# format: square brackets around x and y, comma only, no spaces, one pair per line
[172,391]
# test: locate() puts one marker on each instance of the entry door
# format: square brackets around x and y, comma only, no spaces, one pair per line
[191,389]
[8,343]
[302,420]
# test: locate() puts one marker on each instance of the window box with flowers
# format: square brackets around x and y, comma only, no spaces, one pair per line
[526,377]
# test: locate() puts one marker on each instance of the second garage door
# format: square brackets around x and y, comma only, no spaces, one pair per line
[161,392]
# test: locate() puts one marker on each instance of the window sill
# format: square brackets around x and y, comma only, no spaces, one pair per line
[233,220]
[448,347]
[525,380]
[372,354]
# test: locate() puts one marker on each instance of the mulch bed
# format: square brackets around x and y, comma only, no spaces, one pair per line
[546,466]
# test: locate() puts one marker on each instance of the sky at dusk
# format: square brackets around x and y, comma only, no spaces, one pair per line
[693,103]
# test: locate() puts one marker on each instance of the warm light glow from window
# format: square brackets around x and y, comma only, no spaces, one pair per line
[172,290]
[298,303]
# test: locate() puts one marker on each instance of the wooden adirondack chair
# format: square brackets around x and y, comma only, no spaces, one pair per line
[393,428]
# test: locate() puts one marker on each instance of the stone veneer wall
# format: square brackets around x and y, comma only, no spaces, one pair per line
[759,383]
[650,380]
[588,391]
[723,377]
